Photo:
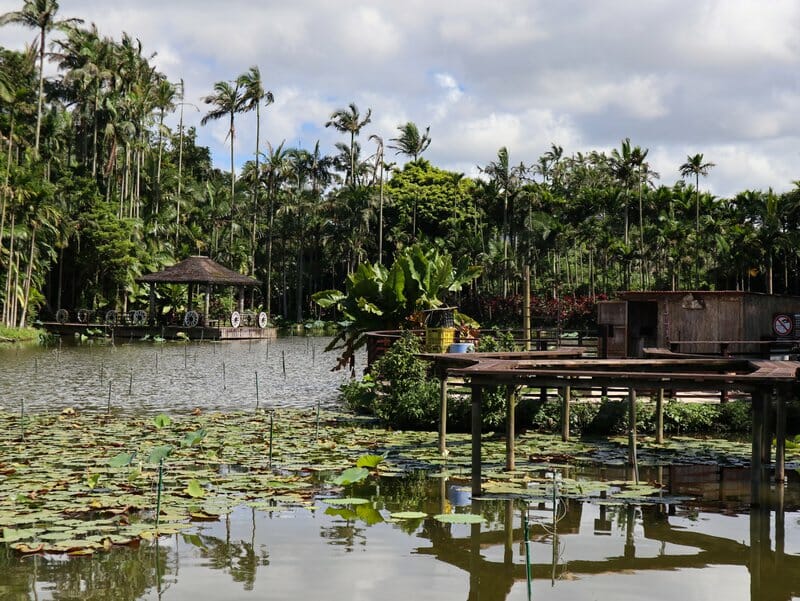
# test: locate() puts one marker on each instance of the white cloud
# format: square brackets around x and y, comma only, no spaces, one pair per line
[677,76]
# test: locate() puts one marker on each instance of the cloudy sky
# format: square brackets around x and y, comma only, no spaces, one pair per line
[678,77]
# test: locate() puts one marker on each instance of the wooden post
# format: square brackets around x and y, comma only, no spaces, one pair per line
[207,307]
[780,437]
[526,309]
[632,460]
[477,399]
[660,417]
[757,400]
[443,413]
[241,299]
[511,403]
[191,297]
[766,434]
[152,303]
[565,400]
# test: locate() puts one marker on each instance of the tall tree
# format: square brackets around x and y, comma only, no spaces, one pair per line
[254,95]
[349,121]
[227,101]
[410,142]
[694,165]
[41,15]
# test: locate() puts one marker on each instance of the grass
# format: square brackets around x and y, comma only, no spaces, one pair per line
[18,334]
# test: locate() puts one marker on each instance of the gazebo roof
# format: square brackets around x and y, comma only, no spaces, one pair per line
[199,270]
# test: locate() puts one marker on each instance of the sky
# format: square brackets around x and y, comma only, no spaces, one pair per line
[677,77]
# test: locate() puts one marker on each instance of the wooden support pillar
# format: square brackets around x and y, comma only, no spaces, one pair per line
[632,460]
[241,299]
[443,413]
[660,417]
[511,404]
[565,401]
[477,400]
[756,469]
[780,437]
[207,307]
[152,307]
[766,435]
[191,297]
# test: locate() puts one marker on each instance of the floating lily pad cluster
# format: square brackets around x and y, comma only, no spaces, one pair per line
[77,483]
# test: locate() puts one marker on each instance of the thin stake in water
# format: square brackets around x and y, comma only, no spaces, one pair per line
[22,420]
[317,434]
[156,362]
[283,360]
[158,490]
[108,406]
[527,550]
[256,391]
[35,365]
[271,414]
[185,355]
[224,385]
[130,384]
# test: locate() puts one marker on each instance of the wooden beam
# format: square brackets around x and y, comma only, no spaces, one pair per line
[632,460]
[660,417]
[443,414]
[477,400]
[756,470]
[780,437]
[511,404]
[566,397]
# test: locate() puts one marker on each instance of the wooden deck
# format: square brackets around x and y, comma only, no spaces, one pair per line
[126,331]
[768,384]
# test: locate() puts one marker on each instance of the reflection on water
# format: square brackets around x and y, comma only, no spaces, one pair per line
[153,377]
[595,551]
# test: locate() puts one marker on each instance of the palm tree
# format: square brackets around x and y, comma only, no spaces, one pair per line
[254,94]
[41,15]
[227,101]
[379,163]
[694,165]
[410,142]
[349,120]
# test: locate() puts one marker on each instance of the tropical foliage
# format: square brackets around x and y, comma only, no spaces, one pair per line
[96,188]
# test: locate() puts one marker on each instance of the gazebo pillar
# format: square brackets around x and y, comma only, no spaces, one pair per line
[207,307]
[191,296]
[152,309]
[241,299]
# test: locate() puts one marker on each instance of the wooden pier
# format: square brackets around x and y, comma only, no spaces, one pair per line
[168,332]
[768,384]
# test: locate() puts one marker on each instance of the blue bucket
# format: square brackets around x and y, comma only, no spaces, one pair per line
[461,347]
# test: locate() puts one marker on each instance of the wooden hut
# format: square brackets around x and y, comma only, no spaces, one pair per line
[722,322]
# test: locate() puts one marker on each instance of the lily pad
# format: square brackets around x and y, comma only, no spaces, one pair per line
[459,518]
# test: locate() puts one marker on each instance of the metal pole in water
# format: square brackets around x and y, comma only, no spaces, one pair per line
[158,490]
[317,433]
[283,360]
[256,391]
[224,385]
[130,384]
[185,355]
[271,415]
[156,362]
[36,365]
[108,406]
[527,550]
[22,419]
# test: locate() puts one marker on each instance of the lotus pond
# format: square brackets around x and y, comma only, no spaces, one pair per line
[285,497]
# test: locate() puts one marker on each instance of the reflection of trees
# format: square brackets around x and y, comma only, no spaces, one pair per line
[240,559]
[120,574]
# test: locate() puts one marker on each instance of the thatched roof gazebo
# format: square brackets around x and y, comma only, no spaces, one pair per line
[198,271]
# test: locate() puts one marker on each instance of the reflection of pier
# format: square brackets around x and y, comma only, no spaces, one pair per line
[773,573]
